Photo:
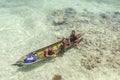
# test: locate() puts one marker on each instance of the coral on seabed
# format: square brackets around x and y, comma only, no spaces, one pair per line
[102,35]
[57,77]
[91,61]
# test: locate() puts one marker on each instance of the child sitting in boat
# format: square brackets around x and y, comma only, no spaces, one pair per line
[73,38]
[63,44]
[50,52]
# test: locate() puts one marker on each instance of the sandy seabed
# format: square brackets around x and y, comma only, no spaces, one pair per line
[27,25]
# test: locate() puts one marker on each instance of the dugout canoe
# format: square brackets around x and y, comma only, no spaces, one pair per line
[38,55]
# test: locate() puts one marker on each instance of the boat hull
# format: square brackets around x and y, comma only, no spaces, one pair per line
[39,54]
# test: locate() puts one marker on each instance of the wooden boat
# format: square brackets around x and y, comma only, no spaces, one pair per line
[38,55]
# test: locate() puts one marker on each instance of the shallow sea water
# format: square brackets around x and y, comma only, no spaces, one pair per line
[23,29]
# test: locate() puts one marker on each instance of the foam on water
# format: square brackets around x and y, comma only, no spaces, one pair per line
[23,29]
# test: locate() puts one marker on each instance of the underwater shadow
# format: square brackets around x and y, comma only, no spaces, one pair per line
[41,63]
[38,64]
[33,66]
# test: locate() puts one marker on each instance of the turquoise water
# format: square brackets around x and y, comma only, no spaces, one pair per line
[24,28]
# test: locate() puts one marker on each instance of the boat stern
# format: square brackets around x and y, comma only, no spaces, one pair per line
[18,63]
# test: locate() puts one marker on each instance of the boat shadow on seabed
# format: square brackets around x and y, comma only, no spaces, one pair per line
[35,65]
[38,64]
[41,63]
